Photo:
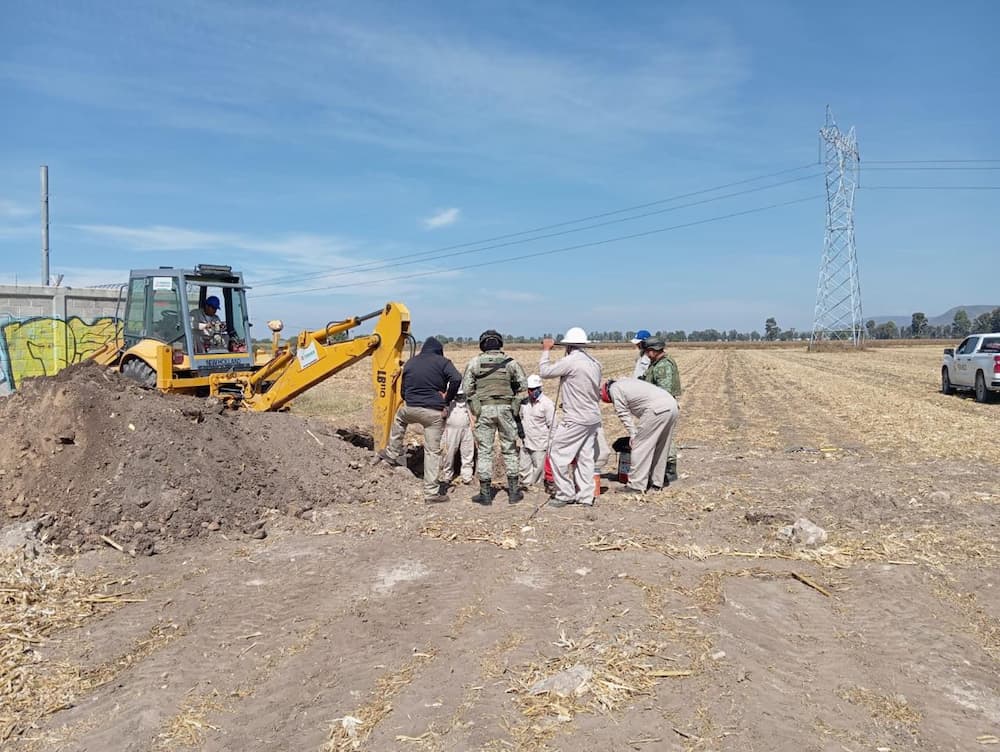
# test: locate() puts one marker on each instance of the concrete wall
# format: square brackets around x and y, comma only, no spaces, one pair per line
[45,329]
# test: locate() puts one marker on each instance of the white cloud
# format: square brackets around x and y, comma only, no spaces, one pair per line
[290,249]
[16,232]
[12,225]
[81,276]
[281,266]
[513,296]
[13,210]
[401,82]
[160,237]
[443,218]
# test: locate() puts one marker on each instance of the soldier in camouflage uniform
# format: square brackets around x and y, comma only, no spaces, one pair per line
[663,373]
[492,384]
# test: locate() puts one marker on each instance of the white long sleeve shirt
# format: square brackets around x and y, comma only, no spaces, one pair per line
[537,418]
[631,398]
[641,364]
[458,415]
[581,385]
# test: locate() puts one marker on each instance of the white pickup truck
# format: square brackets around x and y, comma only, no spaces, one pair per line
[974,364]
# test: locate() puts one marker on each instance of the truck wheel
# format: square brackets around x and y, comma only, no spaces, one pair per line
[138,370]
[982,393]
[946,387]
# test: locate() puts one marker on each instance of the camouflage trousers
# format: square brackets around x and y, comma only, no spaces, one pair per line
[495,419]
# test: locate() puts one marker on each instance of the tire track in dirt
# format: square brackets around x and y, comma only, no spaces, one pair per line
[703,381]
[315,644]
[916,371]
[767,616]
[396,646]
[777,415]
[889,418]
[916,640]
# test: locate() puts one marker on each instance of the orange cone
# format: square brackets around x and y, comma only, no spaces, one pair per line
[597,484]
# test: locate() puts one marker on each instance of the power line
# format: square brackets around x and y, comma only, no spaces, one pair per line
[435,254]
[553,251]
[292,278]
[929,161]
[379,265]
[864,168]
[929,187]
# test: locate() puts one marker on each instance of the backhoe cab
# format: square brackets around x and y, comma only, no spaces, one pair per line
[162,309]
[163,346]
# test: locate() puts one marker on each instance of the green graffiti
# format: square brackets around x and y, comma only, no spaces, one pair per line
[44,346]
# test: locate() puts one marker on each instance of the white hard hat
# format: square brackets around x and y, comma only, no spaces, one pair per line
[534,381]
[575,336]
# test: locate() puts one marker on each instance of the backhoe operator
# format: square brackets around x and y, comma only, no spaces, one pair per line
[210,330]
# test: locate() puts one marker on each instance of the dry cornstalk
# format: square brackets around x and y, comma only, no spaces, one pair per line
[113,544]
[806,581]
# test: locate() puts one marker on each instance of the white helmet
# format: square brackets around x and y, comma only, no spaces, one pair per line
[534,381]
[575,336]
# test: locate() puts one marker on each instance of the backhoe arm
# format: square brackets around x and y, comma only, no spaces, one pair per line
[288,375]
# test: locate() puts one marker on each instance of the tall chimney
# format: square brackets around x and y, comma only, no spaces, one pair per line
[45,225]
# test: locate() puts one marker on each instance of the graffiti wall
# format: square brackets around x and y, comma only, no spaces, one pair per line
[43,345]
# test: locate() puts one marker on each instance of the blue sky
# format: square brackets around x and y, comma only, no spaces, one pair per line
[295,140]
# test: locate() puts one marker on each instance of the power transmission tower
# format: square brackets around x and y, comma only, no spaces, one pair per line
[838,295]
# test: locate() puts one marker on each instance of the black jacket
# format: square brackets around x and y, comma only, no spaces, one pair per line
[427,375]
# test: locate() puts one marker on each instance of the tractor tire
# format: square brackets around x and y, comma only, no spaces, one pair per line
[946,387]
[139,371]
[982,393]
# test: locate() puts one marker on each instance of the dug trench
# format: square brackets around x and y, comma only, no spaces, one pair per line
[365,619]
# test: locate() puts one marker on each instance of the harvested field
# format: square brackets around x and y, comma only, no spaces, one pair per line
[364,619]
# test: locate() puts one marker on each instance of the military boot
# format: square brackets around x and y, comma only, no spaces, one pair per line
[485,495]
[671,472]
[514,492]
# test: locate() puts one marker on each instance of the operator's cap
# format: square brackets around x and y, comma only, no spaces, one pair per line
[212,301]
[641,335]
[534,381]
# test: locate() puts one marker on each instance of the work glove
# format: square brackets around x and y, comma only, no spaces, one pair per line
[520,431]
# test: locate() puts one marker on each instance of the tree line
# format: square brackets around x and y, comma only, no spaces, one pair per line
[616,336]
[919,328]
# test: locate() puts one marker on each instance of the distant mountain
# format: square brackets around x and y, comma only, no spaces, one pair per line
[944,318]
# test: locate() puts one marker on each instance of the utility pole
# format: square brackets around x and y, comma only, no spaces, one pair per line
[838,294]
[45,225]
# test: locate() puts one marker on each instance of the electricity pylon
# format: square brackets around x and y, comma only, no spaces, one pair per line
[838,295]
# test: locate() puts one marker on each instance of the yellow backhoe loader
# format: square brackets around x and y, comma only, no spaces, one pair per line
[173,340]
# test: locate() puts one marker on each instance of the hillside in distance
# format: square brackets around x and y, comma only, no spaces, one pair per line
[943,318]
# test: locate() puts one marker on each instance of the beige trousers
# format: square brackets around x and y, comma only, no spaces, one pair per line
[433,423]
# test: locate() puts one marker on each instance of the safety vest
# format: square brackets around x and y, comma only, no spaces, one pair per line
[492,378]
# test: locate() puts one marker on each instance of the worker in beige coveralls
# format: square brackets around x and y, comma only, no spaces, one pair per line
[650,414]
[575,436]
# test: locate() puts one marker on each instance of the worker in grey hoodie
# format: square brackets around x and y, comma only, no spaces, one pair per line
[430,383]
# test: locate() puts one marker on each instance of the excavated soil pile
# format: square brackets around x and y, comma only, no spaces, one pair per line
[89,453]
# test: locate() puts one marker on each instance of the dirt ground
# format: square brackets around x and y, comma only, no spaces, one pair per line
[275,591]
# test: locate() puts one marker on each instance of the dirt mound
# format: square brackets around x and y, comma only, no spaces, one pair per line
[90,453]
